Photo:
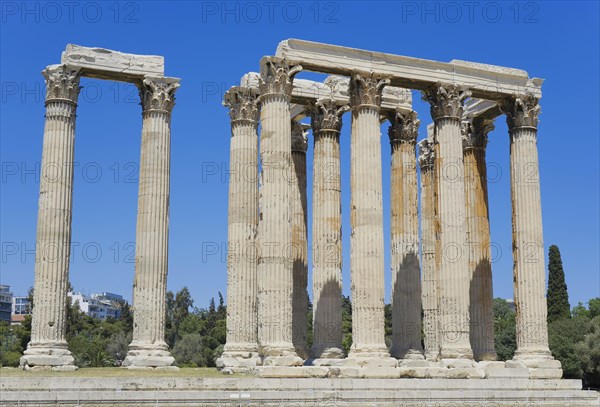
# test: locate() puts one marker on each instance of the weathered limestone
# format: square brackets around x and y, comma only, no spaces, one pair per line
[324,391]
[148,347]
[485,81]
[113,65]
[299,239]
[275,269]
[528,247]
[48,346]
[241,348]
[326,120]
[446,109]
[404,225]
[428,265]
[478,238]
[366,219]
[305,92]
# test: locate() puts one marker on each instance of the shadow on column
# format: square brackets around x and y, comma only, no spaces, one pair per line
[408,335]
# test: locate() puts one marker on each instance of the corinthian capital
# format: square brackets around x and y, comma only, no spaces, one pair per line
[446,100]
[62,82]
[299,137]
[404,127]
[366,89]
[521,111]
[326,115]
[276,76]
[475,132]
[158,93]
[426,154]
[243,104]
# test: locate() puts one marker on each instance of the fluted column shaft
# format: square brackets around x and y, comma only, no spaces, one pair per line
[326,123]
[478,239]
[366,219]
[48,346]
[404,226]
[428,247]
[275,268]
[148,347]
[528,246]
[446,110]
[299,240]
[242,221]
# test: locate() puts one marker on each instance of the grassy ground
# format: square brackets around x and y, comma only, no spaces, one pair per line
[117,372]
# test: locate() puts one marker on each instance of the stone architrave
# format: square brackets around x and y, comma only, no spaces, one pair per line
[148,348]
[429,274]
[404,226]
[475,135]
[366,219]
[48,346]
[528,245]
[299,239]
[446,110]
[275,268]
[241,348]
[326,120]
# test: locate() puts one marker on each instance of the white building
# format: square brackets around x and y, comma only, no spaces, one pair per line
[99,306]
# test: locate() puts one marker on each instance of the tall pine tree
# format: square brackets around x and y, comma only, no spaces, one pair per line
[558,297]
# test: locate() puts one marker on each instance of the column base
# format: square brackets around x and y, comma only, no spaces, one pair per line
[48,356]
[412,354]
[325,352]
[456,353]
[149,356]
[238,358]
[370,356]
[486,357]
[280,355]
[333,356]
[541,365]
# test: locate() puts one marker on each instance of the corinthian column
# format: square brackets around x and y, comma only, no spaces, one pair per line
[528,245]
[326,123]
[241,349]
[366,219]
[299,239]
[275,268]
[428,246]
[148,347]
[478,238]
[404,225]
[48,346]
[446,109]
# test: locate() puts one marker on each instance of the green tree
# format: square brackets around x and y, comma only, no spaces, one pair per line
[504,329]
[594,307]
[189,351]
[588,354]
[563,336]
[558,297]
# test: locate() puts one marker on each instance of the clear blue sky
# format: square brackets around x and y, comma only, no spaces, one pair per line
[210,46]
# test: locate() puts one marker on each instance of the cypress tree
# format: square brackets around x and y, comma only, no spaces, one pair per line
[558,297]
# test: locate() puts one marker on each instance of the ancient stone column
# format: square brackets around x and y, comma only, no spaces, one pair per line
[428,245]
[528,246]
[446,109]
[148,347]
[366,219]
[404,226]
[299,239]
[478,238]
[241,349]
[48,346]
[275,268]
[326,120]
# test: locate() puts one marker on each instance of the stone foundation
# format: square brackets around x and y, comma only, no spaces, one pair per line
[299,391]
